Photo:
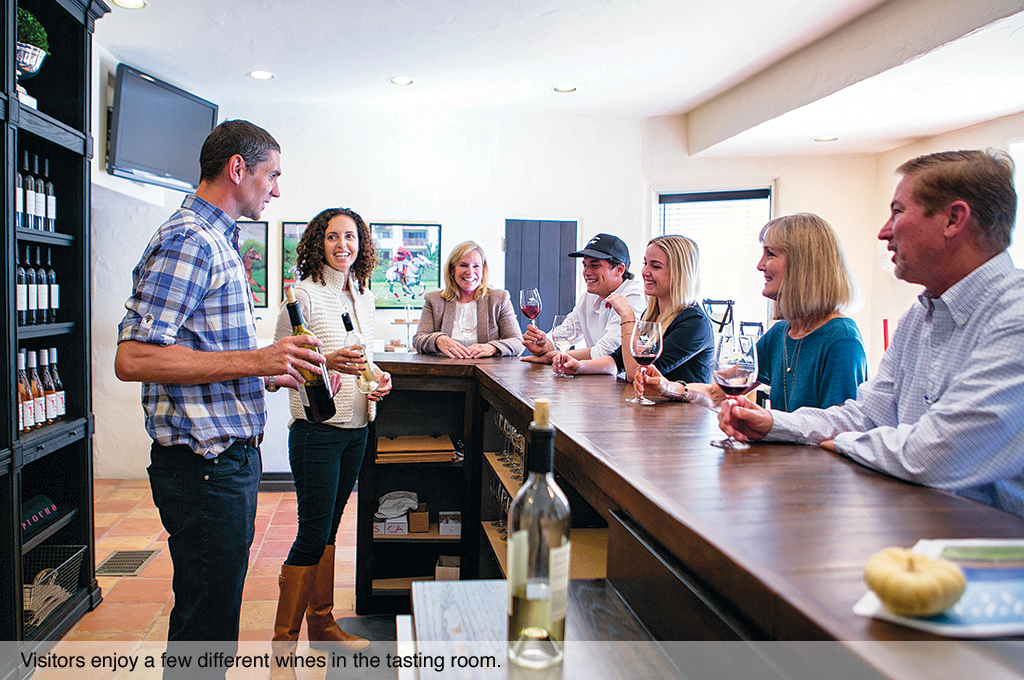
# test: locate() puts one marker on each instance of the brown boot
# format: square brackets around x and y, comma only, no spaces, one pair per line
[323,630]
[295,584]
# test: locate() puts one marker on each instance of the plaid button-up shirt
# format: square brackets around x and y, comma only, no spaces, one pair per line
[190,289]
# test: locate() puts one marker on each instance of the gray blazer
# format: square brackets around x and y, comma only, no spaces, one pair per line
[496,323]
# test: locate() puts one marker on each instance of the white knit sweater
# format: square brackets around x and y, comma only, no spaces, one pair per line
[324,321]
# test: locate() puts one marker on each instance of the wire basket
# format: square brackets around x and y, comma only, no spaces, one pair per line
[53,573]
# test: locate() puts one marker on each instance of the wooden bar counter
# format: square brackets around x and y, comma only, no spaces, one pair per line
[704,544]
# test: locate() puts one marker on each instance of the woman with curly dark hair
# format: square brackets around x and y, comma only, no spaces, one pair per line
[335,258]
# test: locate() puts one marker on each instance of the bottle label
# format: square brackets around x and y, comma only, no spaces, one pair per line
[21,416]
[22,297]
[51,208]
[33,297]
[60,403]
[51,406]
[29,408]
[40,410]
[558,574]
[30,205]
[19,201]
[42,296]
[40,206]
[55,296]
[516,559]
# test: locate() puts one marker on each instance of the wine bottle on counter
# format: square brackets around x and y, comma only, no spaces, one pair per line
[40,194]
[49,389]
[33,292]
[538,555]
[50,220]
[315,393]
[367,381]
[39,407]
[22,291]
[58,384]
[51,279]
[28,183]
[42,290]
[27,410]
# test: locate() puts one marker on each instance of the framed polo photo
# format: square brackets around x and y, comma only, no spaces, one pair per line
[291,234]
[252,247]
[408,263]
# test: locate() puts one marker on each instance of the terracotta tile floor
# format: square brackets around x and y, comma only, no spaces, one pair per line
[136,608]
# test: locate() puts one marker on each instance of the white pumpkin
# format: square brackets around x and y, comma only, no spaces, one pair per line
[912,584]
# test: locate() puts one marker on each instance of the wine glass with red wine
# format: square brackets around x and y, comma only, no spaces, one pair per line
[735,372]
[645,346]
[529,303]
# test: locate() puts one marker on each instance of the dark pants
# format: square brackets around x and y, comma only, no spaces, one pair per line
[325,462]
[208,508]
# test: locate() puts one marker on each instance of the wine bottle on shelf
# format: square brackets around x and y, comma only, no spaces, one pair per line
[42,290]
[33,291]
[54,288]
[19,198]
[50,221]
[22,291]
[27,405]
[538,555]
[39,407]
[367,381]
[28,183]
[315,394]
[40,194]
[58,384]
[49,389]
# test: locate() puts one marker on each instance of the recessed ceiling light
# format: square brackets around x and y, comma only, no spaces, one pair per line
[130,4]
[564,89]
[400,80]
[826,138]
[261,75]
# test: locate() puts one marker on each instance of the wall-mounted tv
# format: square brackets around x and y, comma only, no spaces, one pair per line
[156,131]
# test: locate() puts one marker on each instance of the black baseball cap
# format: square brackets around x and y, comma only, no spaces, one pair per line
[605,247]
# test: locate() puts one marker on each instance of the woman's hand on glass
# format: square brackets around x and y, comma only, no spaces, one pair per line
[566,363]
[650,382]
[450,348]
[346,360]
[536,340]
[383,386]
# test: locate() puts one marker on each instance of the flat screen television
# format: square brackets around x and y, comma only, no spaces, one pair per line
[156,131]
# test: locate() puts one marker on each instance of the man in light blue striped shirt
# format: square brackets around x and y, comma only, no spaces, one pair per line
[947,407]
[190,337]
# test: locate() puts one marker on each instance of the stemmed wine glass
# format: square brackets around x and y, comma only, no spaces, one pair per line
[466,323]
[735,371]
[563,334]
[529,303]
[645,346]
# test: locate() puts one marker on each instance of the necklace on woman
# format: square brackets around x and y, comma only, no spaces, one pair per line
[790,371]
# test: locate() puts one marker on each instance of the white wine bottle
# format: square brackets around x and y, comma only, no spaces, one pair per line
[315,393]
[58,384]
[538,555]
[367,382]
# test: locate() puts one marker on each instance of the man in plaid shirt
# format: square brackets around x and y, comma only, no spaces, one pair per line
[190,337]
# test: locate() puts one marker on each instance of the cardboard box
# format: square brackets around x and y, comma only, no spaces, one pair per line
[447,568]
[398,526]
[450,523]
[419,519]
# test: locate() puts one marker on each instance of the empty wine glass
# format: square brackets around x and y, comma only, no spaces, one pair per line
[529,303]
[645,347]
[564,333]
[466,323]
[735,371]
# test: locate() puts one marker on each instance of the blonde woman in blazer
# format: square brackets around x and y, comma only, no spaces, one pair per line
[468,319]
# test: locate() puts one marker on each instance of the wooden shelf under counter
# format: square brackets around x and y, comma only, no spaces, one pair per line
[433,535]
[589,551]
[503,473]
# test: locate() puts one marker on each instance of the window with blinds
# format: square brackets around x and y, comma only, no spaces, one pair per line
[725,226]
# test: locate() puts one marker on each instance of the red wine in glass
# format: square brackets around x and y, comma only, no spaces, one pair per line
[645,348]
[644,360]
[531,311]
[529,303]
[732,390]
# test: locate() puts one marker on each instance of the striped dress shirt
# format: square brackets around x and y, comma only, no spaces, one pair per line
[947,407]
[190,289]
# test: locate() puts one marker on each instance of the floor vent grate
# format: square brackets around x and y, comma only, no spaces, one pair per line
[125,562]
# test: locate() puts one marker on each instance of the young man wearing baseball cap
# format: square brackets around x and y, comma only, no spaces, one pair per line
[605,271]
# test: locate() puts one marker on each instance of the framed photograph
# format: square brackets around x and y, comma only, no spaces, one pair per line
[291,233]
[408,263]
[252,246]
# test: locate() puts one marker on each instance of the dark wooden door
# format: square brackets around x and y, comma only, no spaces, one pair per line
[537,256]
